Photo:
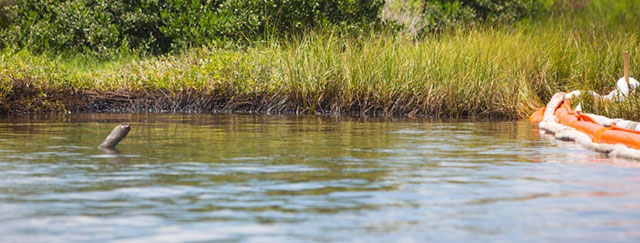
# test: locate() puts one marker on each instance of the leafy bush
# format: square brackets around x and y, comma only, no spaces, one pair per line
[103,28]
[234,20]
[4,20]
[420,16]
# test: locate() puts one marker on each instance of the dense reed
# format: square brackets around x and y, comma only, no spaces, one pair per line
[495,72]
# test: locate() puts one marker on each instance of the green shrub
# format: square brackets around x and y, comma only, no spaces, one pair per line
[423,16]
[4,20]
[234,20]
[92,27]
[104,28]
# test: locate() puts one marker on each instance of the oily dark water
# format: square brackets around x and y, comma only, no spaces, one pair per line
[275,179]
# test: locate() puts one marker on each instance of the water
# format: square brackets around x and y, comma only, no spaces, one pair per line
[275,179]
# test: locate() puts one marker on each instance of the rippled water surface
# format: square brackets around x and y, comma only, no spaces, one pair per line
[275,179]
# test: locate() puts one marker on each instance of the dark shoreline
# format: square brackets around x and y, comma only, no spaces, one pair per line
[25,98]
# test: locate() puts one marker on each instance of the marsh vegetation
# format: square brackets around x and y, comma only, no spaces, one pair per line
[465,63]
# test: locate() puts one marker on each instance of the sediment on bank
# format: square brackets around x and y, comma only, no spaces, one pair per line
[26,97]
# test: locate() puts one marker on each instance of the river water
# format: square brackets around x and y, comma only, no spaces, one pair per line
[279,179]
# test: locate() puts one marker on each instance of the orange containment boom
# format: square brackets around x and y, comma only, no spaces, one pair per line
[587,125]
[537,116]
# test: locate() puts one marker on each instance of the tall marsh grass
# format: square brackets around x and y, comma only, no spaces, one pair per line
[495,72]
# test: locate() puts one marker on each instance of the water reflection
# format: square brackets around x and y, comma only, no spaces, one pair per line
[278,178]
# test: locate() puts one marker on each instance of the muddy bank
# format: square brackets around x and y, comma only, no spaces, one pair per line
[26,97]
